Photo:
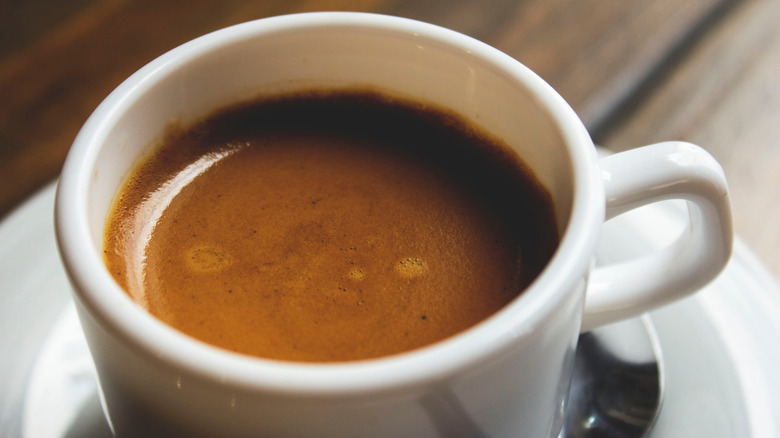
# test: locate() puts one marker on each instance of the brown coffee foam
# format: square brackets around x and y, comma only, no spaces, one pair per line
[321,245]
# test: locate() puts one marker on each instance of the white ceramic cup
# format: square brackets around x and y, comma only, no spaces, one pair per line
[506,377]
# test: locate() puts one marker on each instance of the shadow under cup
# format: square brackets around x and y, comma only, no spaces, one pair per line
[507,374]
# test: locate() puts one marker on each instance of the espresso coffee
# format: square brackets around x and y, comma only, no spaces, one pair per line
[328,226]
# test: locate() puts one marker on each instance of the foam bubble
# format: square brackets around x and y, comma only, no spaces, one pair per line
[357,274]
[411,267]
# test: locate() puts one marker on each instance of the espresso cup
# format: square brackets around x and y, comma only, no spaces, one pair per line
[507,376]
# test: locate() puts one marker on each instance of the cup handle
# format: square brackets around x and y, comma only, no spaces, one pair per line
[672,170]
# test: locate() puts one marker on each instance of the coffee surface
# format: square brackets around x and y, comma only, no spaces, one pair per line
[328,226]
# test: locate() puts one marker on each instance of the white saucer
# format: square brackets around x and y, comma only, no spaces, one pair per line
[720,347]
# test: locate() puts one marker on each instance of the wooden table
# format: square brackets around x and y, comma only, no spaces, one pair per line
[637,72]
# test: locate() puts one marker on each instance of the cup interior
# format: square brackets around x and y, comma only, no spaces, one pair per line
[401,57]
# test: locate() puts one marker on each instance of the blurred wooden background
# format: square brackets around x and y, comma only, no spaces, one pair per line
[637,72]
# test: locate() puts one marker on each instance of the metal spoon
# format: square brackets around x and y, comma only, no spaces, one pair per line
[617,386]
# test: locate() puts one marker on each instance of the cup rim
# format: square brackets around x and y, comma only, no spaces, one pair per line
[96,292]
